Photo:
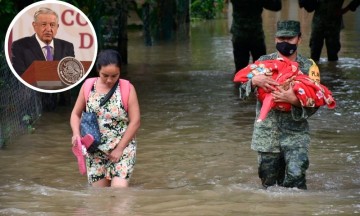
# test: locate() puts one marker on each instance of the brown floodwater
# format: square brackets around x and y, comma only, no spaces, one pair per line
[194,155]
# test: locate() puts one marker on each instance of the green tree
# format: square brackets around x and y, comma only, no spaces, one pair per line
[7,13]
[206,9]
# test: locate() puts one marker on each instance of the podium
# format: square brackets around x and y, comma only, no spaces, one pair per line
[43,74]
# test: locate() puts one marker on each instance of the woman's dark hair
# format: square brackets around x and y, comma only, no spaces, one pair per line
[107,57]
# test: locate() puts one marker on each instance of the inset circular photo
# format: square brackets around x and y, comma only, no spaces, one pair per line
[51,46]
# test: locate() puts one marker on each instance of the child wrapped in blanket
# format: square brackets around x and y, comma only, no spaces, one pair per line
[310,92]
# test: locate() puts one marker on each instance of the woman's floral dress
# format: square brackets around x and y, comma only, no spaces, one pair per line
[113,121]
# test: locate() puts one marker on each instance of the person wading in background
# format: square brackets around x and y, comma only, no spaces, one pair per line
[248,36]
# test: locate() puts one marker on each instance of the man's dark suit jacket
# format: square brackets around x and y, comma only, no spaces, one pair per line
[26,50]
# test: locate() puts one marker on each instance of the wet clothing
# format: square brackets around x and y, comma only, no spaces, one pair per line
[113,121]
[326,25]
[247,30]
[283,138]
[287,169]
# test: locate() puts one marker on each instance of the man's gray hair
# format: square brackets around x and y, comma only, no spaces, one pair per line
[45,10]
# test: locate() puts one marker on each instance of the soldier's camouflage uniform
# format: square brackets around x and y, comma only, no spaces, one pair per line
[282,139]
[326,25]
[247,29]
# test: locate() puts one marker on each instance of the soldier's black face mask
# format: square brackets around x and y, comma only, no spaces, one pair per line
[286,48]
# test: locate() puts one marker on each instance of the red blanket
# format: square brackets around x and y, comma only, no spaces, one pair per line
[310,93]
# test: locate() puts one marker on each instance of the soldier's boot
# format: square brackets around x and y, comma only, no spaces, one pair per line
[295,180]
[267,179]
[297,163]
[268,168]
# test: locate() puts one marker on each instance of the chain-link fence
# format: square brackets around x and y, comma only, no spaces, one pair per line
[20,106]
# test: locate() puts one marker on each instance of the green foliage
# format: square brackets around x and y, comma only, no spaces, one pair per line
[205,9]
[4,135]
[28,121]
[7,13]
[3,83]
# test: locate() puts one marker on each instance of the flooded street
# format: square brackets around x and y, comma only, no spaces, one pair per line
[194,155]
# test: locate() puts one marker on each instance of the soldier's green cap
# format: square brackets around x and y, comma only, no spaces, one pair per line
[288,28]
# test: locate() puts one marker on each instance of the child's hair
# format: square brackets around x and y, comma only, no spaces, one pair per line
[107,57]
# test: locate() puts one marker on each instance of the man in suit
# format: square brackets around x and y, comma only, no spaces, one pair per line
[42,46]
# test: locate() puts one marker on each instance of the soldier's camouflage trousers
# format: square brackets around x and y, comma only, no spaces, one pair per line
[286,168]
